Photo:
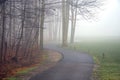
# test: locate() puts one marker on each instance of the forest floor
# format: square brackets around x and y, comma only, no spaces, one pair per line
[45,60]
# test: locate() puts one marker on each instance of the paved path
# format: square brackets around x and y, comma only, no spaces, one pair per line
[73,66]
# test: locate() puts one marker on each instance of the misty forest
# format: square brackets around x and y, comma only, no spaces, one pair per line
[59,40]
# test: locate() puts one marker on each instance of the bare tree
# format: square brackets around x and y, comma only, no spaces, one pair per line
[42,24]
[65,21]
[22,23]
[73,21]
[86,8]
[3,33]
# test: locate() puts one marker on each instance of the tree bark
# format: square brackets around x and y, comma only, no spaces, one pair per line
[42,25]
[3,34]
[73,24]
[65,22]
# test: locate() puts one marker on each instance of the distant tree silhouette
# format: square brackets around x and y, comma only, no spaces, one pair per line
[2,1]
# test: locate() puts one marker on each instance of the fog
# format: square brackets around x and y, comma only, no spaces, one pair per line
[106,25]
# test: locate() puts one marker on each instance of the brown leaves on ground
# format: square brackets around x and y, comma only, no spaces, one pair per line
[47,60]
[41,60]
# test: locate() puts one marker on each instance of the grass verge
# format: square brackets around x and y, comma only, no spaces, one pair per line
[106,55]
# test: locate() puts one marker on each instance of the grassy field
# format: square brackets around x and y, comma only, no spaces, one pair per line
[106,54]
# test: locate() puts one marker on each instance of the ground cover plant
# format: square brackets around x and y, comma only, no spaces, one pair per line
[106,54]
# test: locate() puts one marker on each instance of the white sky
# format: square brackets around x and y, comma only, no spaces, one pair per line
[107,25]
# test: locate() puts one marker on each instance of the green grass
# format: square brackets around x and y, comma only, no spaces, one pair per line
[26,70]
[21,72]
[106,54]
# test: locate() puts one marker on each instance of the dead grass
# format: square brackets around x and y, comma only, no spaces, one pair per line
[44,61]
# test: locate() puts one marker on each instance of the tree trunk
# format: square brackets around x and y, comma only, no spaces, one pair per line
[73,24]
[42,24]
[22,28]
[65,22]
[3,34]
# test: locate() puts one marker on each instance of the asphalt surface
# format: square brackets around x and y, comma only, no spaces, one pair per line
[73,66]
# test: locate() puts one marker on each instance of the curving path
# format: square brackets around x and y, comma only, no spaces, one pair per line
[73,66]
